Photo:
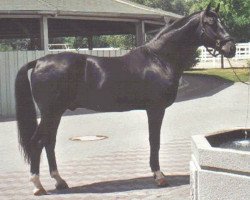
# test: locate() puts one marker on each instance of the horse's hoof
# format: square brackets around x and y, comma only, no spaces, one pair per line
[39,192]
[162,182]
[62,186]
[160,179]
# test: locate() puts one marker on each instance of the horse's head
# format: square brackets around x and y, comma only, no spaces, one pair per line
[213,34]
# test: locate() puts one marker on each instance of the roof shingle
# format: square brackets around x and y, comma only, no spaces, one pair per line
[83,6]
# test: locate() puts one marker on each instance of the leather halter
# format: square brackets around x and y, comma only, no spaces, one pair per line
[213,37]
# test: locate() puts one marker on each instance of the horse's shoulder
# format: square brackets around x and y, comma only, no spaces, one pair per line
[162,75]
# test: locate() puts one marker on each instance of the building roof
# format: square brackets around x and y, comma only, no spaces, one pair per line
[110,8]
[21,18]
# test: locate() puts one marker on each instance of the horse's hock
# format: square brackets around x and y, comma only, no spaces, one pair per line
[219,173]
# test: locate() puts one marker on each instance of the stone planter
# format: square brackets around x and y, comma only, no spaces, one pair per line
[218,173]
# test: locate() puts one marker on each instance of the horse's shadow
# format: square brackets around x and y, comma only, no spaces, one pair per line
[124,185]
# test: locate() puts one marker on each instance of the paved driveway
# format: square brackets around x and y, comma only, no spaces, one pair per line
[117,168]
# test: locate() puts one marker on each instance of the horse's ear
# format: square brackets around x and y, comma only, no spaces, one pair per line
[218,8]
[208,8]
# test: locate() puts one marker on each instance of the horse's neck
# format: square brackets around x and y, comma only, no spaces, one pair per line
[177,46]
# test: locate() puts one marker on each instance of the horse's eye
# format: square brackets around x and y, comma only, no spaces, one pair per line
[210,20]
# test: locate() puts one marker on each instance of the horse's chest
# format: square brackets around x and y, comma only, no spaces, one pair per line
[162,85]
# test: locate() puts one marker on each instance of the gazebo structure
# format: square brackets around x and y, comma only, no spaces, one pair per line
[40,20]
[44,19]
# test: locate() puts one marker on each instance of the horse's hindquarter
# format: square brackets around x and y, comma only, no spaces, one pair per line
[55,78]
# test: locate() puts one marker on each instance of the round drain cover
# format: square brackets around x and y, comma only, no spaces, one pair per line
[88,138]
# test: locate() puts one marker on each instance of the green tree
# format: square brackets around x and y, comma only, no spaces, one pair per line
[121,41]
[14,44]
[5,47]
[235,15]
[177,6]
[79,42]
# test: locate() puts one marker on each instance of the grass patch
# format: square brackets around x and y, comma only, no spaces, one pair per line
[228,74]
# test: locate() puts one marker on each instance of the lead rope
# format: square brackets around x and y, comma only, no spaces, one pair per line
[237,75]
[248,96]
[248,102]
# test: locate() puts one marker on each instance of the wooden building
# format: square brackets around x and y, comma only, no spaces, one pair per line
[40,20]
[44,19]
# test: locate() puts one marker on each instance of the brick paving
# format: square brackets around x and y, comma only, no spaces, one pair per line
[120,175]
[118,168]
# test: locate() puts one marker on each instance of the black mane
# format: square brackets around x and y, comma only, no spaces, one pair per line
[176,24]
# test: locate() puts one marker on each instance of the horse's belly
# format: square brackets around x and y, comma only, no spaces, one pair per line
[108,101]
[124,96]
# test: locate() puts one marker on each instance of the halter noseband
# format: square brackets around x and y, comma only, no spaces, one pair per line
[218,42]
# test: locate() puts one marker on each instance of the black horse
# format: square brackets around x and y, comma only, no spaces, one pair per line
[146,78]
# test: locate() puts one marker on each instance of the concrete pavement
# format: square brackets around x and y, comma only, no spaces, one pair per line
[117,168]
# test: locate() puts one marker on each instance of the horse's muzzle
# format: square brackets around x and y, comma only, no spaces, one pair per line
[228,49]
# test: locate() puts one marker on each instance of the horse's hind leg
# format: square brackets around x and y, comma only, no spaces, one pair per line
[50,150]
[36,149]
[35,163]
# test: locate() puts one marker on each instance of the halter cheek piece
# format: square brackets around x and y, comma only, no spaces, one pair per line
[213,52]
[213,37]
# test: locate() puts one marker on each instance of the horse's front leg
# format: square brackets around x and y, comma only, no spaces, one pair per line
[155,116]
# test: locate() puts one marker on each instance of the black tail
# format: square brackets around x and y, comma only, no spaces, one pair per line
[25,110]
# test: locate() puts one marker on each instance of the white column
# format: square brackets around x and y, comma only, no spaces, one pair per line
[44,33]
[140,33]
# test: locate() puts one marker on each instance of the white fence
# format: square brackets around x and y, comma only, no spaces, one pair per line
[242,53]
[11,61]
[240,59]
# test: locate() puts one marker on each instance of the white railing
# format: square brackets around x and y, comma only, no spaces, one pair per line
[242,53]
